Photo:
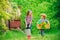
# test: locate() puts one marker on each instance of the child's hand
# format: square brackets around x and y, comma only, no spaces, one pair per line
[43,23]
[47,26]
[39,26]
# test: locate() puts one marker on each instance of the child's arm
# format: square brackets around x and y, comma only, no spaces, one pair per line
[39,26]
[31,19]
[47,25]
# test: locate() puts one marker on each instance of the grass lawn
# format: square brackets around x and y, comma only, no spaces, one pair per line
[19,35]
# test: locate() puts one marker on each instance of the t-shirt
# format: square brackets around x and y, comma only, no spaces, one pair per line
[28,19]
[42,22]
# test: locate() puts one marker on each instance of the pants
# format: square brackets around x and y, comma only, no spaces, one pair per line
[42,32]
[28,29]
[28,26]
[28,32]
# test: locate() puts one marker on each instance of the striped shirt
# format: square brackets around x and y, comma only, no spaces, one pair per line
[29,19]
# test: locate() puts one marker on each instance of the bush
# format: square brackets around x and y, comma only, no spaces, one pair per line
[38,6]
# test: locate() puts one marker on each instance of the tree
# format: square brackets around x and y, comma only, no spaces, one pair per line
[4,15]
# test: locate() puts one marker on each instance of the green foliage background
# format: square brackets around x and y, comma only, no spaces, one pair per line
[3,14]
[50,7]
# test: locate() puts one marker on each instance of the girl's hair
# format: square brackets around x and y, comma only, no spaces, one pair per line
[28,12]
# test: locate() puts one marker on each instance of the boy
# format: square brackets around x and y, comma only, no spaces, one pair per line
[43,23]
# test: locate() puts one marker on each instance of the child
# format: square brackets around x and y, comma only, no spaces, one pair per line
[42,24]
[28,21]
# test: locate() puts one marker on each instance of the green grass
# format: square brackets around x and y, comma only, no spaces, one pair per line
[13,35]
[19,35]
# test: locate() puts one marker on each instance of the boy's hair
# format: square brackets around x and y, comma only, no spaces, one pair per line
[44,15]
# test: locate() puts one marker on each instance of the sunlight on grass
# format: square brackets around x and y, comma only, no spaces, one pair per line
[18,35]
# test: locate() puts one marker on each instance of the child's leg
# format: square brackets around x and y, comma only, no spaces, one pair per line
[29,37]
[27,26]
[29,34]
[42,32]
[28,31]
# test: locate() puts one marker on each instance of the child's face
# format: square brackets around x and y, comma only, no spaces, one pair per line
[42,17]
[30,13]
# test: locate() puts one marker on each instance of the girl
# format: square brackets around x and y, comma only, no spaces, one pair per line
[43,23]
[28,21]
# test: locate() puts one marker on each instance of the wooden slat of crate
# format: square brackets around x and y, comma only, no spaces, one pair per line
[15,24]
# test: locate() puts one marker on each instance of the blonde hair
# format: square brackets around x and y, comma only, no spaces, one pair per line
[44,15]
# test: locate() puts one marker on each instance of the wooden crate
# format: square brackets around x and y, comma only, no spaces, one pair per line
[14,24]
